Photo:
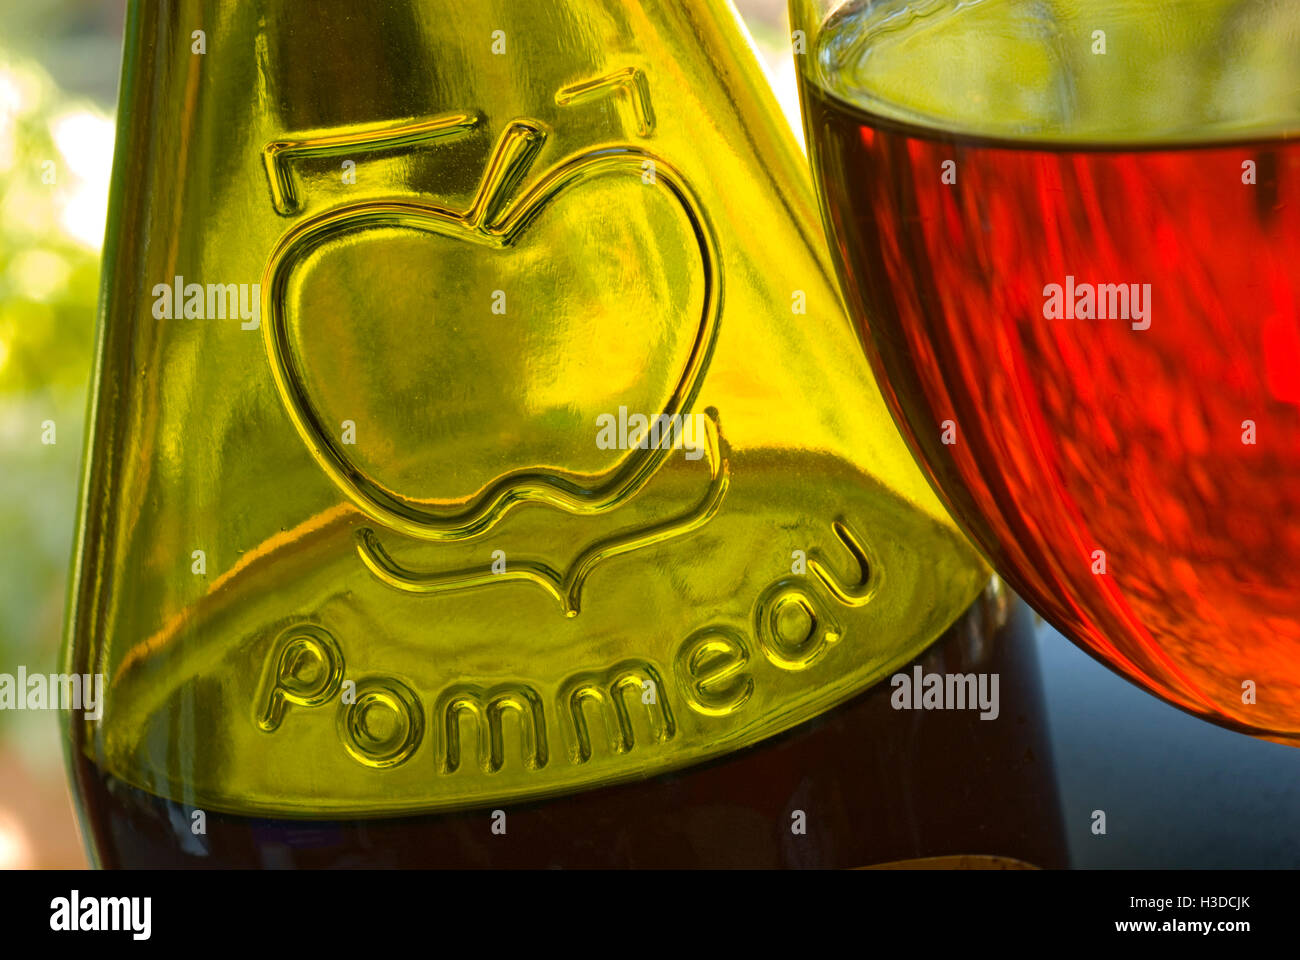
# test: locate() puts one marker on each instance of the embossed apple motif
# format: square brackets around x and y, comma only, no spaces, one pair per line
[492,225]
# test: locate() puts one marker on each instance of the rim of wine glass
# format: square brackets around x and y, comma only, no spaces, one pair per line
[804,14]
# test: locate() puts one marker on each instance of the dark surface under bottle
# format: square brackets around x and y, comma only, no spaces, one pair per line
[876,785]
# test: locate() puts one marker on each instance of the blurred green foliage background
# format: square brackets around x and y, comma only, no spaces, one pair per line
[58,77]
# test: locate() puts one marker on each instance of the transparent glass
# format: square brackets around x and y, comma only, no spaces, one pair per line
[1069,234]
[475,416]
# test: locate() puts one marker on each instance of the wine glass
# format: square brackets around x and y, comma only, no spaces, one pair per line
[1069,235]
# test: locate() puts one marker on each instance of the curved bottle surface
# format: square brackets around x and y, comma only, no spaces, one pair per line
[475,418]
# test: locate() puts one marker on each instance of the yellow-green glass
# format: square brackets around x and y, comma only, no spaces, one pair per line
[366,550]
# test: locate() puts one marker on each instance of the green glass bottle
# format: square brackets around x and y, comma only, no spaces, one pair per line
[475,422]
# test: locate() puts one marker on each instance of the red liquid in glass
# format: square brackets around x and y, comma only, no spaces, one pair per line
[1075,435]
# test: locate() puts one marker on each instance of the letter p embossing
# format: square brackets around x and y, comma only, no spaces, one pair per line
[305,668]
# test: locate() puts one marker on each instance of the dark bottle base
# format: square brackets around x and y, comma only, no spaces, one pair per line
[876,785]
